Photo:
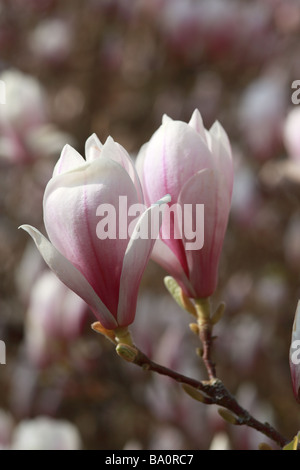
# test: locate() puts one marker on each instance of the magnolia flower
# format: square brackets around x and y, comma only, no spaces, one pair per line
[194,166]
[295,354]
[105,271]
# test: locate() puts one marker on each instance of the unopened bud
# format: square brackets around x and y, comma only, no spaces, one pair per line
[199,352]
[129,353]
[187,304]
[228,416]
[194,328]
[178,295]
[218,313]
[196,394]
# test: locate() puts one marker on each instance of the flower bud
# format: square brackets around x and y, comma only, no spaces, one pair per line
[194,166]
[104,269]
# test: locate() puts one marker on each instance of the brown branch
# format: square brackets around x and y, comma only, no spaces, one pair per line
[214,389]
[205,335]
[205,329]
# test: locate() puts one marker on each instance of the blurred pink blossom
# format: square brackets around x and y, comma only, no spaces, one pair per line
[54,314]
[6,429]
[291,134]
[43,433]
[25,131]
[51,40]
[246,199]
[261,115]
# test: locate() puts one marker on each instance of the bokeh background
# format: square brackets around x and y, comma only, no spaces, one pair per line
[114,67]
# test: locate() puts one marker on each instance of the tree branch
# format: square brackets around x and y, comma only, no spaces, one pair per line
[214,389]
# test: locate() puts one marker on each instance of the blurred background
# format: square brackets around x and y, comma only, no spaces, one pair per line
[114,67]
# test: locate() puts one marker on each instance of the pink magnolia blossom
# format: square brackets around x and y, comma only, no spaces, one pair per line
[295,354]
[55,315]
[104,272]
[194,166]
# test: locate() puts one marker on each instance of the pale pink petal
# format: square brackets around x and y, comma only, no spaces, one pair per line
[172,162]
[69,160]
[221,154]
[73,226]
[116,152]
[171,233]
[139,165]
[196,123]
[174,153]
[205,188]
[165,257]
[71,277]
[135,260]
[93,148]
[219,133]
[166,119]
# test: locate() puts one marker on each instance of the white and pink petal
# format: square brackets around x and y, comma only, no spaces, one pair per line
[71,216]
[71,277]
[93,148]
[136,258]
[69,160]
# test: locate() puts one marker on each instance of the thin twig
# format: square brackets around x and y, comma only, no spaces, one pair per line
[217,392]
[205,328]
[205,335]
[214,390]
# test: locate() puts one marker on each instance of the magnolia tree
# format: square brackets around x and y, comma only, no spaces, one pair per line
[105,217]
